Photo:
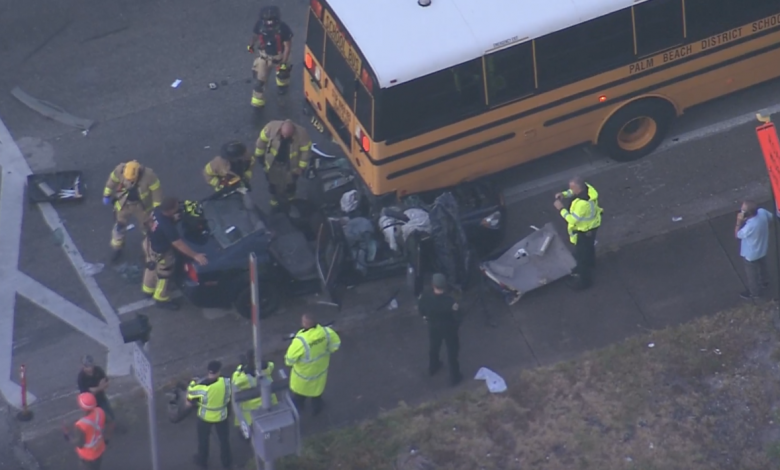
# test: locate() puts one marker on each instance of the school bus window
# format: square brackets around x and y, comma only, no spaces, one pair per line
[364,108]
[429,102]
[510,73]
[706,18]
[341,74]
[315,36]
[584,50]
[659,26]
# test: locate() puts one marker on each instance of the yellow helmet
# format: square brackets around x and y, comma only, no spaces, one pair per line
[132,168]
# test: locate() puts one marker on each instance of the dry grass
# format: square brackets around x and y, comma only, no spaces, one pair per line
[705,397]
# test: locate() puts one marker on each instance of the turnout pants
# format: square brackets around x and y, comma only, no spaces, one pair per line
[223,434]
[281,184]
[158,272]
[449,337]
[261,67]
[585,256]
[123,215]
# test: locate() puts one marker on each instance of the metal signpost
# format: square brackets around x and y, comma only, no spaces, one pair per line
[142,369]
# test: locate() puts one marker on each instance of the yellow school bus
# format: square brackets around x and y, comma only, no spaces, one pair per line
[425,97]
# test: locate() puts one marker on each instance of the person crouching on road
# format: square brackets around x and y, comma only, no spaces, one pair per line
[162,239]
[246,377]
[309,357]
[752,229]
[133,190]
[233,167]
[583,218]
[212,397]
[441,312]
[87,433]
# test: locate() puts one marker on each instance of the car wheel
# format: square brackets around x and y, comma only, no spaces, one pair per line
[636,130]
[270,300]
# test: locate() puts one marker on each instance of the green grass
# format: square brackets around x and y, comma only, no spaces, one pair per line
[706,396]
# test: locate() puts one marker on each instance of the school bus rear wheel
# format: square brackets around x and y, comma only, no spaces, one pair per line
[635,130]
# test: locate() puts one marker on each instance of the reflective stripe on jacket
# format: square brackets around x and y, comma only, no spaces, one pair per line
[217,171]
[244,381]
[583,215]
[270,139]
[92,427]
[309,356]
[148,185]
[212,399]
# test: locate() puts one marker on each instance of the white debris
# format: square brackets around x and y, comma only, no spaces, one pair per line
[130,227]
[717,352]
[176,83]
[393,304]
[651,345]
[85,132]
[495,383]
[90,269]
[676,219]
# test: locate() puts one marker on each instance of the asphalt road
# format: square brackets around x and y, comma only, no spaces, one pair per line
[115,62]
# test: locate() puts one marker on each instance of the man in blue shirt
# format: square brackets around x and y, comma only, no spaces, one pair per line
[752,230]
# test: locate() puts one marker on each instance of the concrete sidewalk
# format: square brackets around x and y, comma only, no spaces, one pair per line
[647,285]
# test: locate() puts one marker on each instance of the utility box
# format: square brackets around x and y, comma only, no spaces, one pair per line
[275,432]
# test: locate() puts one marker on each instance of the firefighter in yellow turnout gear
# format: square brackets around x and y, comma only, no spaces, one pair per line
[309,356]
[134,190]
[285,149]
[233,167]
[246,377]
[272,39]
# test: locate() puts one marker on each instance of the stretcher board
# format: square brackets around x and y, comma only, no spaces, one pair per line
[56,187]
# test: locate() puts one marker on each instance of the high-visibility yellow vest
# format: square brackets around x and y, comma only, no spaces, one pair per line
[582,215]
[309,356]
[212,399]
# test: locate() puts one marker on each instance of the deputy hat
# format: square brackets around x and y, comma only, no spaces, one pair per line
[439,281]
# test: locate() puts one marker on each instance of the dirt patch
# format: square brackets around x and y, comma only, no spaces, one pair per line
[706,395]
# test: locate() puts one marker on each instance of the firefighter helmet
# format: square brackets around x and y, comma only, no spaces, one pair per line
[233,150]
[271,16]
[131,171]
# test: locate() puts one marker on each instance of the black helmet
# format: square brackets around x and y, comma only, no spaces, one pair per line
[270,16]
[233,150]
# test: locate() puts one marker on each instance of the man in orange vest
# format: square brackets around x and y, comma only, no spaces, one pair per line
[87,433]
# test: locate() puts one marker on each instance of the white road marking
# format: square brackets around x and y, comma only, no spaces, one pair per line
[558,180]
[141,304]
[12,202]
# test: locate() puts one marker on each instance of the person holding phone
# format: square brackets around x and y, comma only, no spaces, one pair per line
[752,229]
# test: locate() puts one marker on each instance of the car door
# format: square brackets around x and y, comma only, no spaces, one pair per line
[330,256]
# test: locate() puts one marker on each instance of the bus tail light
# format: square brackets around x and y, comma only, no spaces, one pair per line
[365,142]
[308,61]
[316,8]
[602,98]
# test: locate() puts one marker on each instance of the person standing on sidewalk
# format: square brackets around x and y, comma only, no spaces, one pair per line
[309,357]
[87,433]
[442,313]
[246,377]
[752,229]
[583,218]
[92,379]
[212,397]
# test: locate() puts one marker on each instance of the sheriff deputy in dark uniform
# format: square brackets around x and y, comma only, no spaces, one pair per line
[161,241]
[442,314]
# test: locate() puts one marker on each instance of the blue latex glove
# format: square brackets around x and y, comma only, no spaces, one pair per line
[106,201]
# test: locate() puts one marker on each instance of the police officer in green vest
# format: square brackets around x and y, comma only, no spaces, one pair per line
[309,357]
[212,396]
[583,218]
[244,378]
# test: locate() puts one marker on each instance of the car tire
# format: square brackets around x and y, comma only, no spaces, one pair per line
[270,301]
[636,130]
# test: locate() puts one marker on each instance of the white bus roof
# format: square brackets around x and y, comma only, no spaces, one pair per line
[402,40]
